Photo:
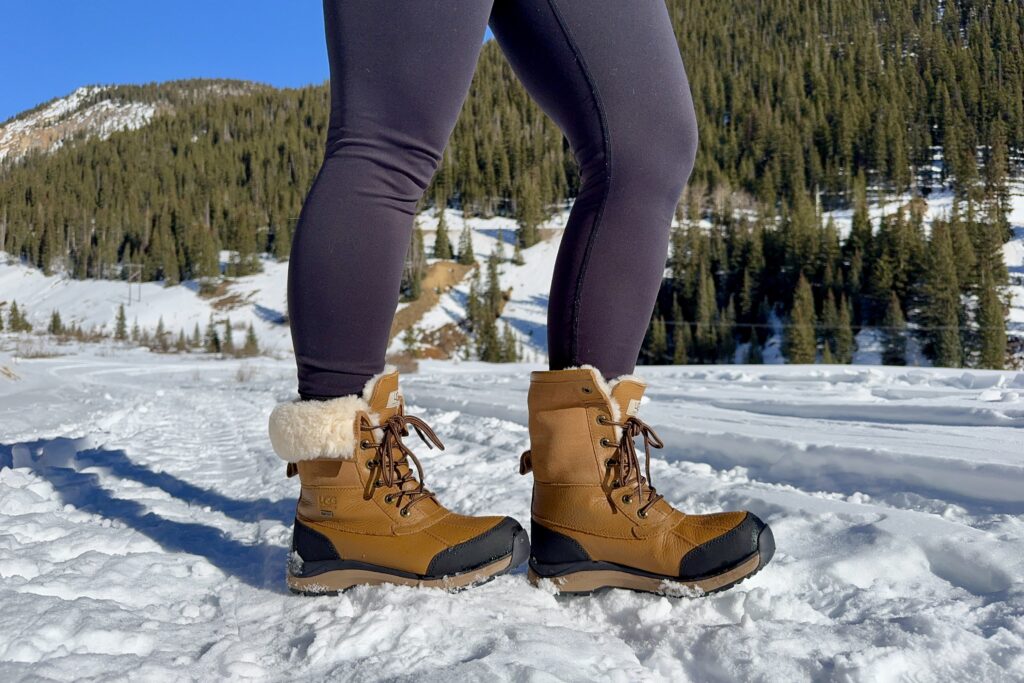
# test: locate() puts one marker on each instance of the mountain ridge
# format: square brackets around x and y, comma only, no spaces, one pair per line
[98,110]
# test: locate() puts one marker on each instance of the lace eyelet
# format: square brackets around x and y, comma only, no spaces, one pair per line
[616,484]
[405,512]
[642,514]
[370,464]
[627,499]
[605,442]
[587,390]
[378,483]
[390,498]
[365,445]
[611,462]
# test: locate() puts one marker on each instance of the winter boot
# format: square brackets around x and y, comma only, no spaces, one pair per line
[597,522]
[364,516]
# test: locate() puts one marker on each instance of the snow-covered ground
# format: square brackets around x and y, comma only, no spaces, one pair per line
[145,521]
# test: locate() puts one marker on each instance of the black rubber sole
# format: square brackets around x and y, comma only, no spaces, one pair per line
[318,581]
[569,576]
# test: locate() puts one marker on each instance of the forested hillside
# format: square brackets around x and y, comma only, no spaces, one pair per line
[803,107]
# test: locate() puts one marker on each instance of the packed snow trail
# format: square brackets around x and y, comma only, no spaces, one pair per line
[144,525]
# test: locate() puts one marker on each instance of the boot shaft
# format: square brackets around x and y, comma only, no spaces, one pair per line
[334,447]
[572,434]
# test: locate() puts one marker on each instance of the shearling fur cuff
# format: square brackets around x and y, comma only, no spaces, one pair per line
[315,430]
[310,430]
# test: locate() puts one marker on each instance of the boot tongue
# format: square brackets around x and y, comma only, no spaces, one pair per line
[626,394]
[385,398]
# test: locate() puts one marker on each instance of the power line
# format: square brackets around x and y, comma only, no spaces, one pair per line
[768,326]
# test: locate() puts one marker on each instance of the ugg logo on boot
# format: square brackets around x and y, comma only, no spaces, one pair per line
[327,502]
[394,398]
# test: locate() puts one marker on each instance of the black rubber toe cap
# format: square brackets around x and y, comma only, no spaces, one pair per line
[728,550]
[496,542]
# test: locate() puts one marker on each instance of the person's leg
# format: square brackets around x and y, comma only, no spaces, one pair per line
[399,74]
[610,75]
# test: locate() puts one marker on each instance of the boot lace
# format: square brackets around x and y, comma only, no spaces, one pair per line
[627,463]
[389,470]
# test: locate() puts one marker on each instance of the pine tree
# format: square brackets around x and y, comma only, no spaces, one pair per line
[726,333]
[56,326]
[829,325]
[494,298]
[991,326]
[657,347]
[212,339]
[894,333]
[136,332]
[252,345]
[530,213]
[227,345]
[706,333]
[17,321]
[941,308]
[410,342]
[517,255]
[801,345]
[682,339]
[415,266]
[121,324]
[509,346]
[196,340]
[499,245]
[845,345]
[475,313]
[466,255]
[161,335]
[826,356]
[488,343]
[442,244]
[181,344]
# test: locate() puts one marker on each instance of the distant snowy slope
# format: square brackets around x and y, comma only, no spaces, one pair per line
[144,527]
[49,126]
[259,299]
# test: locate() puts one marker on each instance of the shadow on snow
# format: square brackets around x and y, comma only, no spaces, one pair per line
[257,564]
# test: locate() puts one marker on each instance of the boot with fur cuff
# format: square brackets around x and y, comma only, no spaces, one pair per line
[597,521]
[364,515]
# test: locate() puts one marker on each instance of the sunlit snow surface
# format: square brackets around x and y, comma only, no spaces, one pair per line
[145,524]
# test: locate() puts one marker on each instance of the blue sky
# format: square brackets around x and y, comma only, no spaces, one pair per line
[50,47]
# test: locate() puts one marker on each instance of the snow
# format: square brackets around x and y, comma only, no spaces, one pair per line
[526,311]
[144,529]
[260,299]
[49,126]
[145,522]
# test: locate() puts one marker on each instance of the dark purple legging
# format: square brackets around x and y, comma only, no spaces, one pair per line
[608,72]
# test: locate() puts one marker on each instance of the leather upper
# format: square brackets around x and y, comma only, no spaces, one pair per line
[577,495]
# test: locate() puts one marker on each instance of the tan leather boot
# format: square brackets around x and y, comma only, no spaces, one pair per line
[363,516]
[597,521]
